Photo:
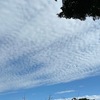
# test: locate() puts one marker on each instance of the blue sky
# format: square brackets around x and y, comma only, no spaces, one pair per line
[42,55]
[83,87]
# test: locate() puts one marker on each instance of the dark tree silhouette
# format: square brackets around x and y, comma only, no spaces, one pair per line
[80,9]
[81,99]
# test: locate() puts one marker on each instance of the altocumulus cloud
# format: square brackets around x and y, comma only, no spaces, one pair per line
[37,48]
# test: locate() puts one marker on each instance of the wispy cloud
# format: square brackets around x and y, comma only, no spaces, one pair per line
[81,86]
[13,92]
[91,97]
[38,48]
[66,91]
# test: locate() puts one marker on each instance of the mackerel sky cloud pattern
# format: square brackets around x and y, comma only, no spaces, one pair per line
[38,48]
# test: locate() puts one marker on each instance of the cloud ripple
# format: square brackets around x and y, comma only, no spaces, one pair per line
[38,48]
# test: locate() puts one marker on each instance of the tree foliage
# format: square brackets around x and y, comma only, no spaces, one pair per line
[80,9]
[81,99]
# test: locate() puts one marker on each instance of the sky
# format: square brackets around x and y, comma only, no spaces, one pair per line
[42,55]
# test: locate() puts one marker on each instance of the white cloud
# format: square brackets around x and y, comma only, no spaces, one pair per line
[66,91]
[5,93]
[37,47]
[91,97]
